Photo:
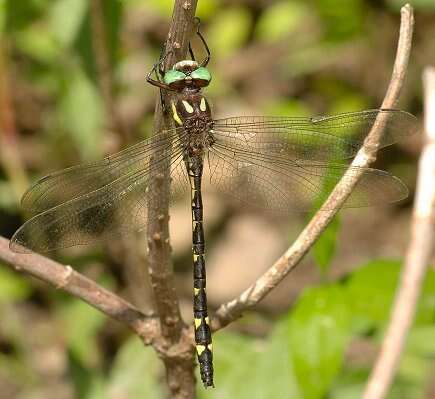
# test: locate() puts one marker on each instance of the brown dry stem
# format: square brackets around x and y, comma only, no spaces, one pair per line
[231,310]
[65,278]
[179,369]
[168,334]
[417,257]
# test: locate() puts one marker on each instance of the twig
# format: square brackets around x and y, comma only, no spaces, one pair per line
[417,256]
[180,369]
[65,278]
[367,154]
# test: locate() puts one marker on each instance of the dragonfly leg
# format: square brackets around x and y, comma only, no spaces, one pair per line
[206,60]
[158,66]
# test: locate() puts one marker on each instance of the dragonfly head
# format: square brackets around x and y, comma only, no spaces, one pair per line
[187,74]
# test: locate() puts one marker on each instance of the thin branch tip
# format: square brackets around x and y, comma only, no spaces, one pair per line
[229,311]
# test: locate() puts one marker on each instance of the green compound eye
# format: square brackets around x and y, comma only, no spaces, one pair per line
[201,73]
[173,76]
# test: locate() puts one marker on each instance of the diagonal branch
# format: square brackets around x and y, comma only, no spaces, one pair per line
[417,256]
[65,278]
[367,154]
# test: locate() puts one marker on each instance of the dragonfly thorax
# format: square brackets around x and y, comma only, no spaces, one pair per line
[192,111]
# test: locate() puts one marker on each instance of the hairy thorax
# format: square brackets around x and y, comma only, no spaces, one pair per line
[192,111]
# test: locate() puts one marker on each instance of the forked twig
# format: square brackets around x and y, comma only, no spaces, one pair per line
[417,257]
[65,278]
[169,334]
[367,154]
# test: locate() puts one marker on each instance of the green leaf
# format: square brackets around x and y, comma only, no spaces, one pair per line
[277,366]
[280,19]
[325,247]
[348,102]
[135,374]
[82,377]
[39,43]
[66,18]
[286,107]
[204,10]
[372,288]
[207,9]
[83,43]
[13,287]
[20,14]
[426,305]
[8,199]
[2,16]
[421,341]
[350,384]
[228,30]
[318,331]
[371,291]
[82,113]
[342,19]
[234,375]
[82,323]
[300,359]
[414,370]
[113,13]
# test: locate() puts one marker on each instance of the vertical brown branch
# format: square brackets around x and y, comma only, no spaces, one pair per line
[180,374]
[417,257]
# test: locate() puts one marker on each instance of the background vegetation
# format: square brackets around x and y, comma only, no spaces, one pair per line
[314,337]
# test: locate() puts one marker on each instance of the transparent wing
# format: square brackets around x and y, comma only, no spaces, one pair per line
[323,138]
[90,202]
[274,182]
[61,186]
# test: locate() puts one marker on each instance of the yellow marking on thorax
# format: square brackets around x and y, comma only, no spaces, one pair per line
[175,115]
[207,320]
[196,291]
[188,107]
[203,105]
[197,323]
[210,347]
[200,349]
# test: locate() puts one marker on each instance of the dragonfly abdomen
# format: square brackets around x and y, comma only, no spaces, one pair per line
[201,320]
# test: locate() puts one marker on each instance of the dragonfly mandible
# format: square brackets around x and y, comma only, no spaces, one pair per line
[275,163]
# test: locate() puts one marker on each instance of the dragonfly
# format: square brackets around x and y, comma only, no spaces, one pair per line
[276,163]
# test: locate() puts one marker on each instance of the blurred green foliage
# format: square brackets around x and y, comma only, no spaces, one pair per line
[12,287]
[280,58]
[304,355]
